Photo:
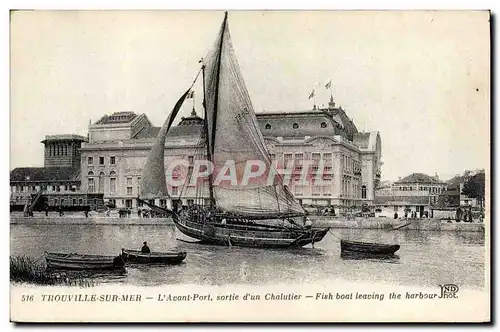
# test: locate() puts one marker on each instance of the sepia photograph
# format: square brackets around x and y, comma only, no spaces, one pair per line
[250,166]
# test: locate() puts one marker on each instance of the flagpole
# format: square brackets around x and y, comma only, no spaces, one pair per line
[193,102]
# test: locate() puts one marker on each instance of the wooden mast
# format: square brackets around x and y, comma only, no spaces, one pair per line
[216,101]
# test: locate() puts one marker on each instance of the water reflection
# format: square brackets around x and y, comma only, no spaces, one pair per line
[424,258]
[384,258]
[105,276]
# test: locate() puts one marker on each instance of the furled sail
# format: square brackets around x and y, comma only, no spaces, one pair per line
[234,134]
[153,181]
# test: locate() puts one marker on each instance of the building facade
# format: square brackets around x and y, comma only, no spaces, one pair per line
[117,149]
[55,185]
[419,182]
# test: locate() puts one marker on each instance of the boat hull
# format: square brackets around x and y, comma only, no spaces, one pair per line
[82,262]
[137,257]
[368,248]
[247,235]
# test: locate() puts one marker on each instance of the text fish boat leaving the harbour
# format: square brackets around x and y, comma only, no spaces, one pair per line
[368,248]
[258,213]
[74,261]
[136,256]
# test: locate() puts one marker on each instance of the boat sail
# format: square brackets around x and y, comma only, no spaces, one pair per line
[256,213]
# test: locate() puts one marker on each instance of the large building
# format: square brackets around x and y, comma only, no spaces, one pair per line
[416,193]
[118,146]
[419,182]
[57,183]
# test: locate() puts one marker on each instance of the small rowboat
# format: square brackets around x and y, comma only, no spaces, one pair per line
[75,261]
[368,248]
[136,256]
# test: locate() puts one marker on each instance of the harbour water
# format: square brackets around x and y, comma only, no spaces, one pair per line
[426,258]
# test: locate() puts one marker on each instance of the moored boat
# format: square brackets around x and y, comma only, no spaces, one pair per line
[74,261]
[368,248]
[136,256]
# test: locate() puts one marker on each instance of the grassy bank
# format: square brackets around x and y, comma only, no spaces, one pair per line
[24,269]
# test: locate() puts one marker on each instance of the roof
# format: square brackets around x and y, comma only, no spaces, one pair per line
[42,174]
[147,132]
[323,122]
[403,200]
[64,137]
[189,126]
[117,117]
[419,178]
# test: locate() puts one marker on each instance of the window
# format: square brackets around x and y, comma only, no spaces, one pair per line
[175,190]
[327,157]
[327,187]
[316,157]
[101,182]
[190,160]
[363,192]
[74,201]
[268,126]
[112,160]
[298,190]
[90,161]
[295,126]
[316,189]
[91,185]
[112,182]
[101,160]
[163,202]
[287,158]
[129,186]
[128,203]
[299,158]
[139,184]
[323,124]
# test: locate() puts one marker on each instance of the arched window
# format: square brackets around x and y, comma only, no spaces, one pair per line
[295,126]
[268,126]
[91,182]
[101,182]
[363,191]
[112,182]
[323,124]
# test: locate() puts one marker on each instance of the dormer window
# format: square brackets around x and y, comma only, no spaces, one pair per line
[323,125]
[268,126]
[295,126]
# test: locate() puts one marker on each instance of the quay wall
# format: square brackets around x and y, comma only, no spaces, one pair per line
[323,221]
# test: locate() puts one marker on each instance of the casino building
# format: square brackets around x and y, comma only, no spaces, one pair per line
[118,144]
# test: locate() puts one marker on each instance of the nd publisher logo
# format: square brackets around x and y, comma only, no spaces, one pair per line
[448,291]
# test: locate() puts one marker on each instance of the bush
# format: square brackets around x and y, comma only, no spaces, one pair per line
[28,270]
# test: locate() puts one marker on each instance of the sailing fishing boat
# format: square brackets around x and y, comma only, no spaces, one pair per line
[254,214]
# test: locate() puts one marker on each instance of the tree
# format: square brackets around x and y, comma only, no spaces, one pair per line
[474,187]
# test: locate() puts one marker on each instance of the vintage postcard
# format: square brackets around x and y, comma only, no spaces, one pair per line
[249,166]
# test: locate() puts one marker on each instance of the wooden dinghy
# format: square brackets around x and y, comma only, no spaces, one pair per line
[368,248]
[136,256]
[74,261]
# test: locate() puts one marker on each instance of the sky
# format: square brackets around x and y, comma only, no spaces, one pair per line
[422,79]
